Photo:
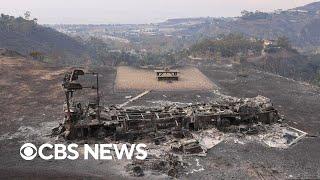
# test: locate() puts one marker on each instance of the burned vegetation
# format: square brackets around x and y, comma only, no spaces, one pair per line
[171,132]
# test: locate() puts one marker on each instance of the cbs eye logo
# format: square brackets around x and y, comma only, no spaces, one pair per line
[28,151]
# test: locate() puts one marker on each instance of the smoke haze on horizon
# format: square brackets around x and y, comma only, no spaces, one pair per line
[136,11]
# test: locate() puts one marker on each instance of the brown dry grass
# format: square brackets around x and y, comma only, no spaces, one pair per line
[130,78]
[21,78]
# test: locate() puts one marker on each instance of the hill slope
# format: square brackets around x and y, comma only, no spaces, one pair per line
[26,36]
[300,25]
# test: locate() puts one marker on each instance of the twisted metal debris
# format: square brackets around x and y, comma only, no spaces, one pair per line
[92,120]
[172,131]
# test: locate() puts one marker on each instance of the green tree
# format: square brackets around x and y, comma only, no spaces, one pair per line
[283,42]
[27,15]
[317,78]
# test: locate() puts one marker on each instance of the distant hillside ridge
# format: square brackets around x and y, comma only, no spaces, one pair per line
[27,37]
[314,7]
[300,25]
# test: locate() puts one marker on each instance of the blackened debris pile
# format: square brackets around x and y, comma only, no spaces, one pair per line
[169,164]
[92,120]
[172,132]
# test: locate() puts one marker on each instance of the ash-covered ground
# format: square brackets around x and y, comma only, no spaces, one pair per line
[31,104]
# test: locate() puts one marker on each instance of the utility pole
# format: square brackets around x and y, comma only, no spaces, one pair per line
[98,97]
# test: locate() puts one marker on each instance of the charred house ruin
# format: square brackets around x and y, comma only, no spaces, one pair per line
[92,120]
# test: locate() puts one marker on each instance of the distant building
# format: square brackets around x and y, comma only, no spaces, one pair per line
[267,42]
[269,46]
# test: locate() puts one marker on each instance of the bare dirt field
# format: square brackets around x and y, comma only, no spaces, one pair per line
[190,78]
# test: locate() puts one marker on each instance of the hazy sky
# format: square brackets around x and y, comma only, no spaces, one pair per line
[135,11]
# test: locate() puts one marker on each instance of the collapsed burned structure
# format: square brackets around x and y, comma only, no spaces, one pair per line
[173,133]
[93,120]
